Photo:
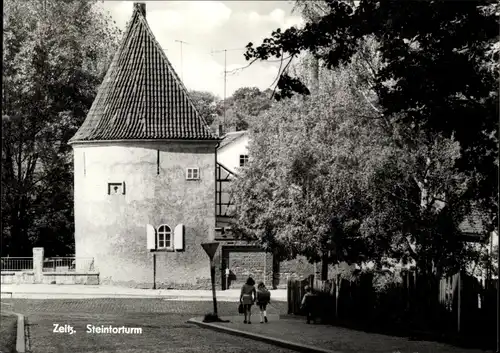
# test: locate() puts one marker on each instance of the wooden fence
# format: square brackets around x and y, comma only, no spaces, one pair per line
[458,305]
[295,292]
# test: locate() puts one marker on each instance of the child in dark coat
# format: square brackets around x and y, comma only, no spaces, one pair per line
[306,304]
[263,298]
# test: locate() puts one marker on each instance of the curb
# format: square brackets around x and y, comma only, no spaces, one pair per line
[266,339]
[52,295]
[20,337]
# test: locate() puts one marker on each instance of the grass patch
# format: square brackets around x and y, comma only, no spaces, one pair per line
[8,332]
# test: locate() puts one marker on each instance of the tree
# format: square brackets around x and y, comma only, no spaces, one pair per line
[206,104]
[418,200]
[406,190]
[55,56]
[301,193]
[438,74]
[242,107]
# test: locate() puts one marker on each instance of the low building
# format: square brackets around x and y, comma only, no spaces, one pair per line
[240,258]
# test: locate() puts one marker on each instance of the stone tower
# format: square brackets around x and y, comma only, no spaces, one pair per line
[144,161]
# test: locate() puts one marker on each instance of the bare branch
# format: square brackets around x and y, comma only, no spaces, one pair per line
[284,70]
[279,60]
[279,70]
[243,68]
[368,101]
[239,69]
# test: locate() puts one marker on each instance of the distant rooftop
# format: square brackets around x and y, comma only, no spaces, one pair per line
[141,96]
[230,137]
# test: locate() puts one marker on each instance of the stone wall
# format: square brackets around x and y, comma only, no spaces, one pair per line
[11,277]
[36,274]
[112,228]
[260,266]
[8,277]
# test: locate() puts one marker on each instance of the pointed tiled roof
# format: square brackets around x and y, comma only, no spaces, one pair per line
[141,96]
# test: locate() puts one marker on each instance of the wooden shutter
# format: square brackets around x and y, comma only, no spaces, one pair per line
[179,237]
[151,237]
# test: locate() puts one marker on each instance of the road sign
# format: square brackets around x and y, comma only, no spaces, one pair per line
[210,248]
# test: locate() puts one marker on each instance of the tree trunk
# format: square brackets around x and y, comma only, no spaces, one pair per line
[314,75]
[276,271]
[338,281]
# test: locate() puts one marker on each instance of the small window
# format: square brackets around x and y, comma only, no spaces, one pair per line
[164,237]
[193,174]
[243,160]
[116,188]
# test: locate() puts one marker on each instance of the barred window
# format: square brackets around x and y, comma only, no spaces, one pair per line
[243,160]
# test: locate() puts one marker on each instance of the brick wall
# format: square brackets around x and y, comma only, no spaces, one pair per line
[259,266]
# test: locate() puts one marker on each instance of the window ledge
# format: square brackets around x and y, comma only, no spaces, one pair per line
[163,250]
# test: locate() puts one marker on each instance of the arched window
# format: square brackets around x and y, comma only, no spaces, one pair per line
[164,237]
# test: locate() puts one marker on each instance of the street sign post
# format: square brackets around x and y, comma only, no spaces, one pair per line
[211,249]
[151,246]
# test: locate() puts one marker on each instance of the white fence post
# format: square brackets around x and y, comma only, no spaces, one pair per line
[38,264]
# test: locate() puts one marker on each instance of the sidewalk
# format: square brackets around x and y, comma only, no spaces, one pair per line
[296,334]
[61,291]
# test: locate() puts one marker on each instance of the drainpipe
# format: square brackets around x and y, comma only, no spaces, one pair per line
[215,198]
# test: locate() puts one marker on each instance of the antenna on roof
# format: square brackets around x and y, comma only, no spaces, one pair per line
[225,73]
[225,81]
[181,43]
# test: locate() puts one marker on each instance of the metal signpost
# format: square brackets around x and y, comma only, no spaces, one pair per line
[154,270]
[151,246]
[210,249]
[498,289]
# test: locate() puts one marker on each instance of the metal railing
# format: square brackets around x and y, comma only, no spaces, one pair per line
[16,264]
[69,264]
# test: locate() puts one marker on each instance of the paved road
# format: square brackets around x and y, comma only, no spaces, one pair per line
[163,324]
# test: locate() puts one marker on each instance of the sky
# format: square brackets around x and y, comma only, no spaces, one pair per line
[207,28]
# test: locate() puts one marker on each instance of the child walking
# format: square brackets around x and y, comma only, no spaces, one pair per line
[247,298]
[263,298]
[306,306]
